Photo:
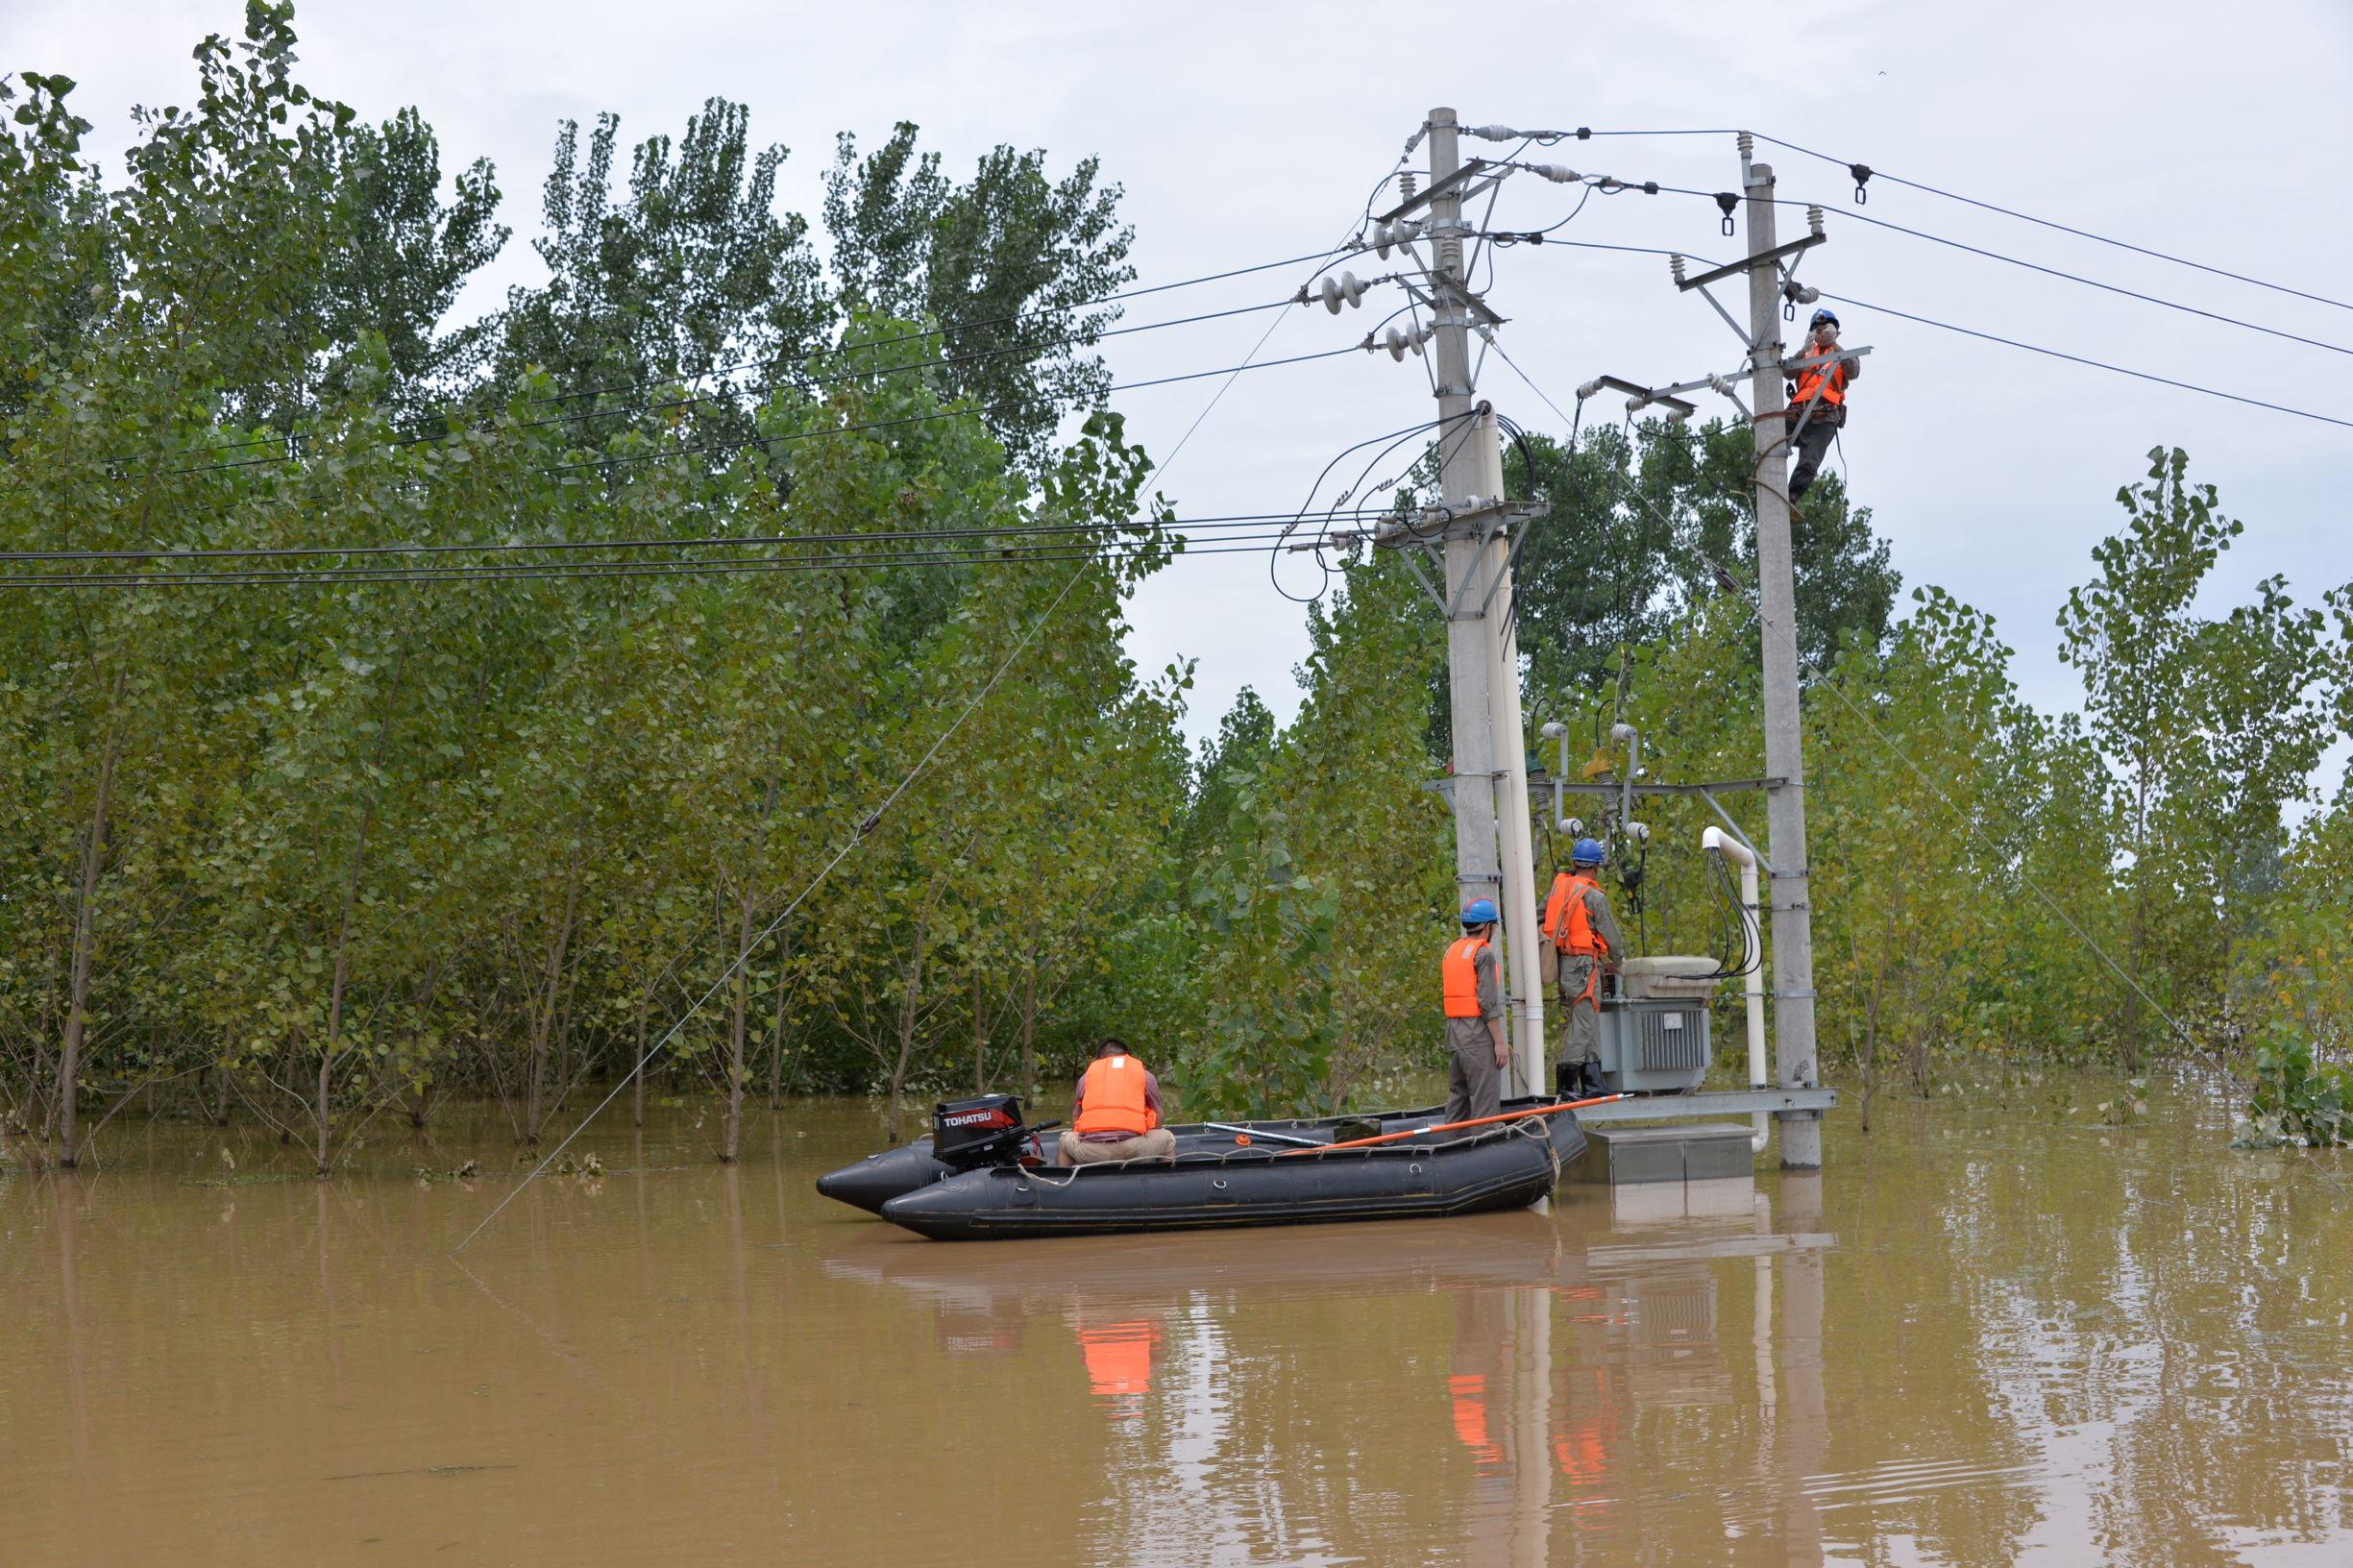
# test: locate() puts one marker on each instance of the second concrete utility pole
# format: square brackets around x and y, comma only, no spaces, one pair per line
[1790,896]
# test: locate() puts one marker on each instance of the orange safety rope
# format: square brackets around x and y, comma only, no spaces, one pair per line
[1455,1126]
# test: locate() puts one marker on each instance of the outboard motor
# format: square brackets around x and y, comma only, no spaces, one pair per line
[985,1130]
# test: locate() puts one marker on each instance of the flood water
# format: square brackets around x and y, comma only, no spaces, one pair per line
[1983,1335]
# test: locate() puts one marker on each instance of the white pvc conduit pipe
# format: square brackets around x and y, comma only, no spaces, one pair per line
[1721,843]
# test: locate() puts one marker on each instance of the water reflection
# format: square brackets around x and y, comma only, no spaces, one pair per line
[1979,1337]
[1565,1338]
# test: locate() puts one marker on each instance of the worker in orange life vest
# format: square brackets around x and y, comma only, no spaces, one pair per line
[1583,929]
[1116,1115]
[1472,987]
[1821,389]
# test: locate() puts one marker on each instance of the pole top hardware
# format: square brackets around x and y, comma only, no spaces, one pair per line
[1474,514]
[1472,168]
[1640,397]
[1735,269]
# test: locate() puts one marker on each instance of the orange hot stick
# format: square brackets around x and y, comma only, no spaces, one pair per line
[1457,1126]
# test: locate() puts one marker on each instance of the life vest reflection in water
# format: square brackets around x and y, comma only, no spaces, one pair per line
[1119,1357]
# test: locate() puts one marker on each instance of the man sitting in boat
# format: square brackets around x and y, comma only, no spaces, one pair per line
[1116,1115]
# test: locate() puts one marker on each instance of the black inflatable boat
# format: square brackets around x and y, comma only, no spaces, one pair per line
[992,1129]
[995,1185]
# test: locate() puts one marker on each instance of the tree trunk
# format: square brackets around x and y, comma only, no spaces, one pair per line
[980,1036]
[1029,1024]
[637,1080]
[2132,992]
[85,920]
[909,1010]
[731,1140]
[543,1024]
[776,1042]
[2140,924]
[335,995]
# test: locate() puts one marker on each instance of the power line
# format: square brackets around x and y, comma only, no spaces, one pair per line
[846,348]
[247,577]
[2095,364]
[2064,228]
[944,413]
[1867,172]
[959,326]
[2074,277]
[705,400]
[1833,210]
[866,825]
[739,541]
[746,443]
[1993,337]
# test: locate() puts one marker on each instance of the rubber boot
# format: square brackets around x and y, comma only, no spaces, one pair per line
[1590,1082]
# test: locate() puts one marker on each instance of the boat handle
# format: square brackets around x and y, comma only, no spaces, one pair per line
[1218,1182]
[1414,1170]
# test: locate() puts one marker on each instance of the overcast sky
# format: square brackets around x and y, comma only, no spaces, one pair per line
[1249,132]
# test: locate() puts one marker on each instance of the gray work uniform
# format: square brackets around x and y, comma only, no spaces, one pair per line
[1474,1082]
[1581,1020]
[1814,441]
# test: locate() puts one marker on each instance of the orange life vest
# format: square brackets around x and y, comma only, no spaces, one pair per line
[1568,921]
[1460,974]
[1111,1098]
[1829,381]
[1552,903]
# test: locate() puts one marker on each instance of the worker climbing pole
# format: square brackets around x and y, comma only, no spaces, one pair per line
[1818,399]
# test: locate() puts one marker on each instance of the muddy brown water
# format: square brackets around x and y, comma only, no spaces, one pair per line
[1982,1336]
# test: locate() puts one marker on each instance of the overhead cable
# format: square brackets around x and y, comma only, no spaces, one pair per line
[1869,172]
[848,375]
[858,834]
[1992,337]
[2062,228]
[718,541]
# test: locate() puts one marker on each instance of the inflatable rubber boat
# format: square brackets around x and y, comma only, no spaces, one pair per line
[984,1175]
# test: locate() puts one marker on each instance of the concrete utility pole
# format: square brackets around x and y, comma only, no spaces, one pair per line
[1794,1056]
[1521,930]
[1483,675]
[1477,865]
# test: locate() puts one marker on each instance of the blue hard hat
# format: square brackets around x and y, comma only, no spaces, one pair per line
[1821,316]
[1479,912]
[1588,852]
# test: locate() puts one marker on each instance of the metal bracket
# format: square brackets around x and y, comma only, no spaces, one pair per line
[1644,396]
[1471,170]
[1438,595]
[1727,784]
[1746,265]
[1738,331]
[1489,528]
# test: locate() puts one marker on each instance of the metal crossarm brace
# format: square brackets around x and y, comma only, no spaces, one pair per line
[1735,269]
[1453,184]
[1651,395]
